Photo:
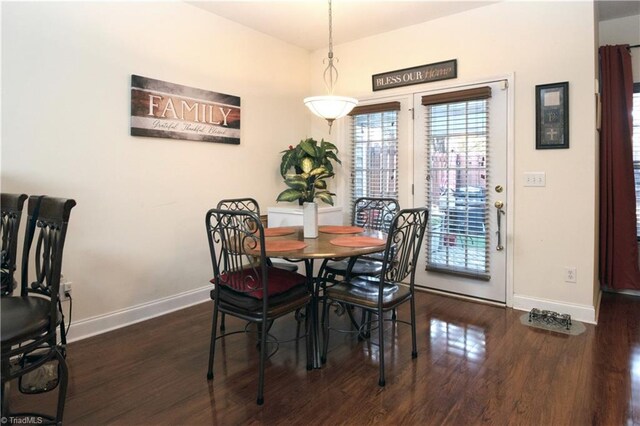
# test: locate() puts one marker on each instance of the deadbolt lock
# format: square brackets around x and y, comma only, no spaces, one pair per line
[499,188]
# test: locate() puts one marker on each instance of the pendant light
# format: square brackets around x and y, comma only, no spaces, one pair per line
[330,107]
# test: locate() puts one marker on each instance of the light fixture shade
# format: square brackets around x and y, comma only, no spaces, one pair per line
[330,107]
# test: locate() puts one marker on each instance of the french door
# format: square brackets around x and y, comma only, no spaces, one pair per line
[460,173]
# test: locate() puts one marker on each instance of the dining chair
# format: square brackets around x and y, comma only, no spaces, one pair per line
[246,286]
[389,291]
[30,321]
[370,213]
[250,205]
[11,207]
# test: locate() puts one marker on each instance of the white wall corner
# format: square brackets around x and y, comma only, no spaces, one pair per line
[107,322]
[584,313]
[597,305]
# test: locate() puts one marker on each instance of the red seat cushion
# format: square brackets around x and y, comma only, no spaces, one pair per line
[249,281]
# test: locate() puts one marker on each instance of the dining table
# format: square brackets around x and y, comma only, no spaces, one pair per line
[332,243]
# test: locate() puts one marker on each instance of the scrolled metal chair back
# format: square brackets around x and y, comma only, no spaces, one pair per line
[240,204]
[47,225]
[232,235]
[374,213]
[235,204]
[403,244]
[10,223]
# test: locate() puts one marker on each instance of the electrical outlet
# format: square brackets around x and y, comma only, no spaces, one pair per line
[535,179]
[570,274]
[65,288]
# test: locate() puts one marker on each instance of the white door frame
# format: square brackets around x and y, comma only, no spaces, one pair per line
[342,133]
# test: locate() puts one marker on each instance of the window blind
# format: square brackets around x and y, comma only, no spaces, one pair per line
[636,151]
[458,167]
[458,96]
[374,151]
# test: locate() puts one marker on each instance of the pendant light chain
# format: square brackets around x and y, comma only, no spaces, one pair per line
[330,107]
[330,32]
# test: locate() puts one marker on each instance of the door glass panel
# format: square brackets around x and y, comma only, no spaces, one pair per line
[375,155]
[456,188]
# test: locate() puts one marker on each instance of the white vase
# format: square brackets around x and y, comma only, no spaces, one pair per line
[310,220]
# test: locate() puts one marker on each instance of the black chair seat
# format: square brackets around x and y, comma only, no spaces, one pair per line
[23,318]
[295,300]
[379,256]
[285,287]
[232,299]
[287,266]
[360,267]
[364,293]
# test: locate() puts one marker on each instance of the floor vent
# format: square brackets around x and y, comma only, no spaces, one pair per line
[553,321]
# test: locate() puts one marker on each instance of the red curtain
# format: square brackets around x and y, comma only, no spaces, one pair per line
[618,244]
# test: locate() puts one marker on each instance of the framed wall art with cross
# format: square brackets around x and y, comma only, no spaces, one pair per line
[552,116]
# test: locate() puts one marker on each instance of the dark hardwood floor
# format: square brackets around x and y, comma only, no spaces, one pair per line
[476,364]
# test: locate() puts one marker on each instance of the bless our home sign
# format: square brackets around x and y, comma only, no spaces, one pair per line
[167,110]
[416,75]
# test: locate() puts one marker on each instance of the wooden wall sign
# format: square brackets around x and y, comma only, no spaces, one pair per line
[416,75]
[166,110]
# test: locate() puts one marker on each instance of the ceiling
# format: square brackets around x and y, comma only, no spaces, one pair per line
[304,23]
[617,9]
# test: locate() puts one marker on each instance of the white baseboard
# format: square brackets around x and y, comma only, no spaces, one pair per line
[102,323]
[584,313]
[460,296]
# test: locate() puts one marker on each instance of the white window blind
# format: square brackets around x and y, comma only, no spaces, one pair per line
[457,142]
[636,151]
[374,151]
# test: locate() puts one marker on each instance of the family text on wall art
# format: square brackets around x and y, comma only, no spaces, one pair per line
[166,110]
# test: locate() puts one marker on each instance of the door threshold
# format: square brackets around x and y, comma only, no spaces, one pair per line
[461,296]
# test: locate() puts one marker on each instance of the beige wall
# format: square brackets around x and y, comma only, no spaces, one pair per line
[541,42]
[137,234]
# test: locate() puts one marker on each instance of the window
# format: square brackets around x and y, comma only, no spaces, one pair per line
[457,144]
[374,151]
[636,150]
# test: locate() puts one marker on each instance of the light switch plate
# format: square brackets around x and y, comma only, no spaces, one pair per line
[535,179]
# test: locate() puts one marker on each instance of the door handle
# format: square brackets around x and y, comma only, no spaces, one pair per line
[499,205]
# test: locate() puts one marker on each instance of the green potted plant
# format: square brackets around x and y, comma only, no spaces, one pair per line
[312,163]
